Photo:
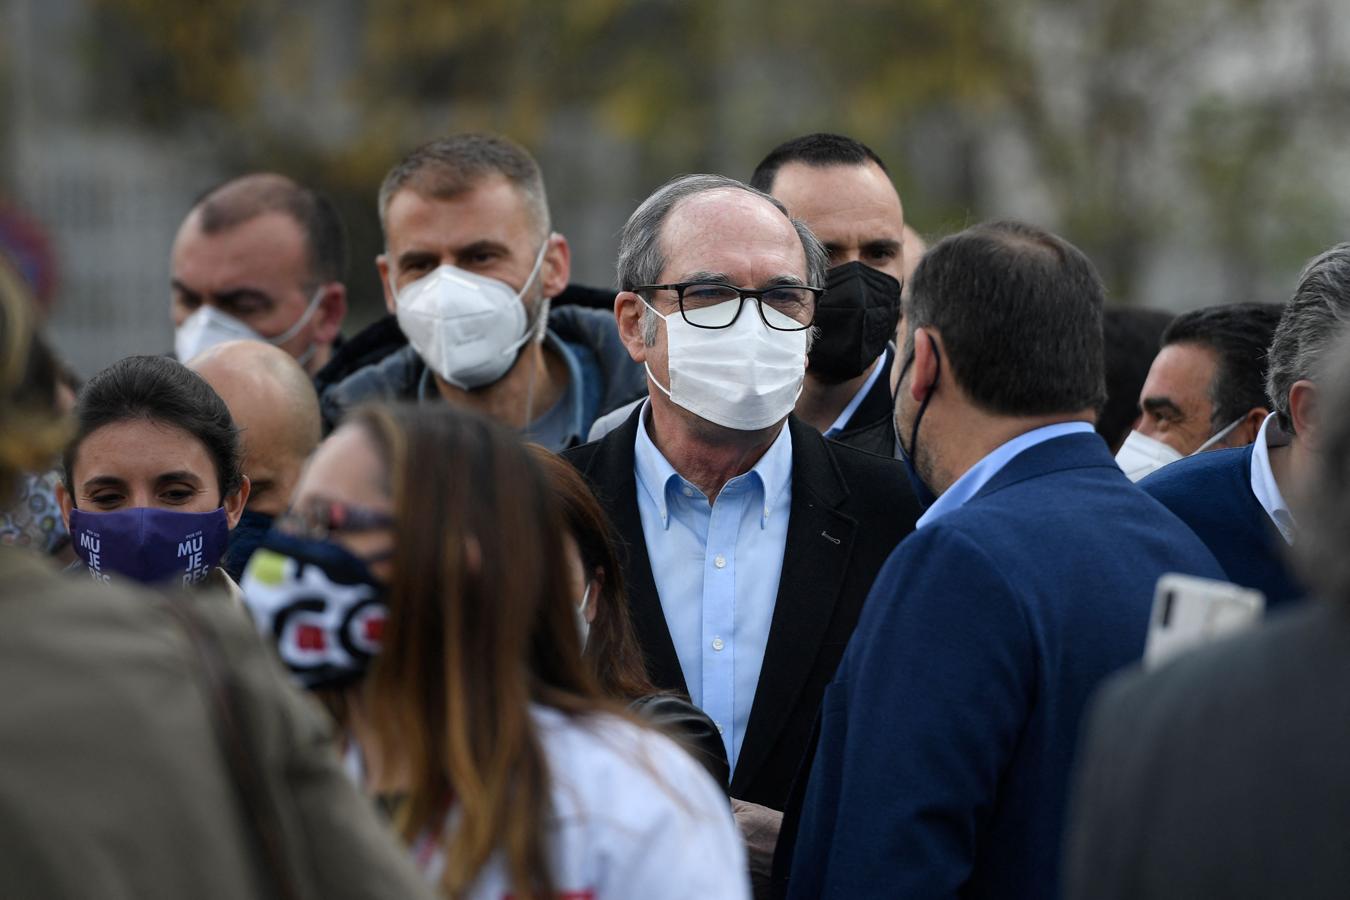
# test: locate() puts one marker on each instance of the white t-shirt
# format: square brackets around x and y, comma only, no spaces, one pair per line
[634,816]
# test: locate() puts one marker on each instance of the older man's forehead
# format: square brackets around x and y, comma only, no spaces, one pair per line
[723,230]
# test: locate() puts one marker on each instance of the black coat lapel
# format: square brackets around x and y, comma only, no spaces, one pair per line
[819,545]
[611,473]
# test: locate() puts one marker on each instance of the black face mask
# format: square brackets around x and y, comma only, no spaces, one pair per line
[856,317]
[244,539]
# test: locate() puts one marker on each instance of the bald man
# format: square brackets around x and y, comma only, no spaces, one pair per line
[273,402]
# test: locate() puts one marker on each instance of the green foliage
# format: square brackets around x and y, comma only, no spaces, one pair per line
[1099,95]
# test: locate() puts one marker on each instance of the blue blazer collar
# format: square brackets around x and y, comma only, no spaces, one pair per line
[1073,451]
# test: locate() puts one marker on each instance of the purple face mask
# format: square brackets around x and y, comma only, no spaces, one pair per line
[149,545]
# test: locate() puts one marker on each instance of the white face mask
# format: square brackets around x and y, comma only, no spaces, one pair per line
[208,326]
[746,376]
[467,327]
[1142,455]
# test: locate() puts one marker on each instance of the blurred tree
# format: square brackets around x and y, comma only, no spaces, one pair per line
[1119,110]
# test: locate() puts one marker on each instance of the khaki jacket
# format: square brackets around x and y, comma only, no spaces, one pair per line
[113,783]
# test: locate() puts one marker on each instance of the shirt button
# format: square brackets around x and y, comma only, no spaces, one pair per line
[687,491]
[720,561]
[718,644]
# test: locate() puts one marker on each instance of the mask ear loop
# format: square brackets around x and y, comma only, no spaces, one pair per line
[1220,435]
[923,407]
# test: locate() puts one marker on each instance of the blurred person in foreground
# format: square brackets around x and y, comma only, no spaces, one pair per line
[1206,388]
[470,267]
[273,404]
[426,546]
[1243,502]
[948,732]
[1131,337]
[118,772]
[151,483]
[752,539]
[1226,772]
[32,519]
[260,258]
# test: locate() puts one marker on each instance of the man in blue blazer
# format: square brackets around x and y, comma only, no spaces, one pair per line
[947,735]
[1239,501]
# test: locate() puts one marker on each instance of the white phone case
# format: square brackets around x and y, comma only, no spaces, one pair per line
[1189,611]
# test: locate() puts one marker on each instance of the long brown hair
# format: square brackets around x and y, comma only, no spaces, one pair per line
[476,632]
[612,650]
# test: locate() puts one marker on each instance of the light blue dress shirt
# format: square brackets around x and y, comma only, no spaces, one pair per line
[716,569]
[978,475]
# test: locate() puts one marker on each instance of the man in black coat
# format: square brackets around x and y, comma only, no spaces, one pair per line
[1226,773]
[752,541]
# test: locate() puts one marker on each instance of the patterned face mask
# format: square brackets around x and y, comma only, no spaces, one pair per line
[319,605]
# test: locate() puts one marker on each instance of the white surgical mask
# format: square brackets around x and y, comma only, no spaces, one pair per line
[467,327]
[746,376]
[209,326]
[1142,455]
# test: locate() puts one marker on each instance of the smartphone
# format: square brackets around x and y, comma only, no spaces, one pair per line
[1189,611]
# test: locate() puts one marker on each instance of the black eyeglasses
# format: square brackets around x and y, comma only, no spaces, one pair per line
[317,520]
[714,304]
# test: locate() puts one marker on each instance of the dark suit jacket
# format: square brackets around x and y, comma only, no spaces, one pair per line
[948,734]
[849,510]
[1223,774]
[1212,493]
[872,425]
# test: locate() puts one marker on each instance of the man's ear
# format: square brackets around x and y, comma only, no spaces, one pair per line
[234,503]
[66,502]
[382,266]
[331,312]
[1246,433]
[1303,410]
[628,309]
[923,374]
[557,267]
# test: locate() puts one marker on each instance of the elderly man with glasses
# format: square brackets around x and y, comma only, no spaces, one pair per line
[753,541]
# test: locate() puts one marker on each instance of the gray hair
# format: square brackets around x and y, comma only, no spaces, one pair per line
[641,256]
[1324,532]
[446,168]
[1317,314]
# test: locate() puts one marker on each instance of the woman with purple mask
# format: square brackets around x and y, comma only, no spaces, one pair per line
[152,482]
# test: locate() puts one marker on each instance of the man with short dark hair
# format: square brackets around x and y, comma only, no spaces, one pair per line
[948,732]
[1242,501]
[260,258]
[752,540]
[841,189]
[1206,387]
[1226,772]
[470,265]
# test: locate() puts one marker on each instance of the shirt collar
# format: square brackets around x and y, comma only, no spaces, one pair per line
[655,475]
[978,475]
[1264,486]
[842,422]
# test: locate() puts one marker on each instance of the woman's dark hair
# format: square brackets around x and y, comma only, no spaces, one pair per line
[158,389]
[612,648]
